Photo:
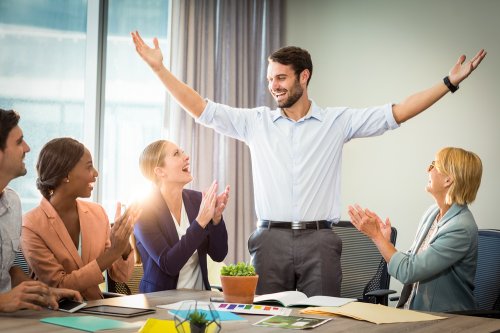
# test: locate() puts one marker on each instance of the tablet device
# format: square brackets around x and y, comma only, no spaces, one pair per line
[118,311]
[68,305]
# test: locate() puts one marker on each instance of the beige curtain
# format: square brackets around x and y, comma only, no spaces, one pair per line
[220,49]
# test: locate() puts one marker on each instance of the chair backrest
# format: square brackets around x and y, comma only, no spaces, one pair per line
[132,285]
[487,282]
[363,267]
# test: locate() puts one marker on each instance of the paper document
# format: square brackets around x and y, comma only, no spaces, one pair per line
[296,298]
[375,313]
[89,323]
[267,310]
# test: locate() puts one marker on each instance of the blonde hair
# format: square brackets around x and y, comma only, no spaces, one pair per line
[151,157]
[465,169]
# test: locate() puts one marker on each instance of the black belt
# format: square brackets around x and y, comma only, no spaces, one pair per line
[299,225]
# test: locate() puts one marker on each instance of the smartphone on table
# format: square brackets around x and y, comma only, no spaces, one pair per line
[69,305]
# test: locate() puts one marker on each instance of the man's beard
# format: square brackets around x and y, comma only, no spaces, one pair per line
[22,172]
[296,95]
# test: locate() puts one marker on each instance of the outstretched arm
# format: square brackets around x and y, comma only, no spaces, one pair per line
[420,101]
[186,96]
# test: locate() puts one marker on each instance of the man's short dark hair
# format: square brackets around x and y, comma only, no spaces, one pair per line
[8,120]
[299,58]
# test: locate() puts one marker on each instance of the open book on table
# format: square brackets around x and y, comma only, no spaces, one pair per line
[297,298]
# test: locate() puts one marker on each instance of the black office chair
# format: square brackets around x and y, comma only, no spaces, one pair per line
[487,280]
[364,270]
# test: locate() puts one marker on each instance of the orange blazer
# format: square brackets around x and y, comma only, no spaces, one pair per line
[53,257]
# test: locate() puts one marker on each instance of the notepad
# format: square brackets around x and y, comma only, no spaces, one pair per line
[88,323]
[296,298]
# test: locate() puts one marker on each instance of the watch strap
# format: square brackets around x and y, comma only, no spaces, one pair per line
[450,85]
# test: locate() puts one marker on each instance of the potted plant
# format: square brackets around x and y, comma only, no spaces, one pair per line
[197,321]
[239,283]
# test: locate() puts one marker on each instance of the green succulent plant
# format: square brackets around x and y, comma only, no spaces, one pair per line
[198,318]
[239,269]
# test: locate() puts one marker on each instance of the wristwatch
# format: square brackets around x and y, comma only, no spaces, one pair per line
[450,85]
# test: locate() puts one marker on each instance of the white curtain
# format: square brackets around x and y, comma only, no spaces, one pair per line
[220,48]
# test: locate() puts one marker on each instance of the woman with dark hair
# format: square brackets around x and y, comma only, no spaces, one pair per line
[178,227]
[68,242]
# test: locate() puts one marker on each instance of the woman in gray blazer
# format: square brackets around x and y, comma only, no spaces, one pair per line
[438,271]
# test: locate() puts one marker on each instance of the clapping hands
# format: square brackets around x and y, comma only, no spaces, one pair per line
[369,222]
[123,227]
[212,205]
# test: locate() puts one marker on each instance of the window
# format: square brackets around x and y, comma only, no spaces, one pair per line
[134,98]
[43,66]
[42,70]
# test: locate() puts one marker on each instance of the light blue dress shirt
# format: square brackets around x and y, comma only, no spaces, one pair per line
[296,164]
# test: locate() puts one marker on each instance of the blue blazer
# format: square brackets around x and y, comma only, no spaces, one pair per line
[445,271]
[163,254]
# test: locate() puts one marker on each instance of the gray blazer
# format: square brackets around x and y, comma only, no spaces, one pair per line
[445,271]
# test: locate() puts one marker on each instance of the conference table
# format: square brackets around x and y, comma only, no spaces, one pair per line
[28,321]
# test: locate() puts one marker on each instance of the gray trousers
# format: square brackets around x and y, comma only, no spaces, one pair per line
[304,260]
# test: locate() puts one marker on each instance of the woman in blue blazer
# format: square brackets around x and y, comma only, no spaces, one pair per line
[177,227]
[439,269]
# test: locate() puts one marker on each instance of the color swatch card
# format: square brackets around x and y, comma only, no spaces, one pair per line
[252,309]
[209,315]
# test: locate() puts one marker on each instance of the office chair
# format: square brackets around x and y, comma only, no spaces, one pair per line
[364,270]
[487,280]
[131,287]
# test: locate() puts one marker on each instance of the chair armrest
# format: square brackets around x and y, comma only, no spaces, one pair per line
[394,298]
[380,292]
[380,296]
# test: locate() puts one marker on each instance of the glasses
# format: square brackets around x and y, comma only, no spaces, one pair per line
[431,166]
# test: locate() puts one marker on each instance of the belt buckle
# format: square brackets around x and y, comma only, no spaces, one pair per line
[297,225]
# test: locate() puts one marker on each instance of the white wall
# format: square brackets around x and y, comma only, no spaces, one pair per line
[370,52]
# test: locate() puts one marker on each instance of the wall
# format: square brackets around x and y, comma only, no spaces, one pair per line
[370,52]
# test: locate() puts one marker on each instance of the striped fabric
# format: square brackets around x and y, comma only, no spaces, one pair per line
[487,282]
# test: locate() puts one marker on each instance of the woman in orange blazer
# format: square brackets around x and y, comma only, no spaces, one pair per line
[68,242]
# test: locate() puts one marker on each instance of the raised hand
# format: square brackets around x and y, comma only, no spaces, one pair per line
[368,224]
[461,70]
[122,229]
[220,205]
[152,56]
[207,206]
[385,227]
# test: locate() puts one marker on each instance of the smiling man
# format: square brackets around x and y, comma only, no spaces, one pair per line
[17,291]
[296,157]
